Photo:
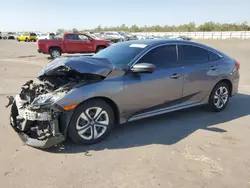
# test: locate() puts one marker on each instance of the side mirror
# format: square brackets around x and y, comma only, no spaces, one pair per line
[143,68]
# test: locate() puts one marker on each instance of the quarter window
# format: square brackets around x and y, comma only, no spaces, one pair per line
[161,57]
[192,54]
[213,56]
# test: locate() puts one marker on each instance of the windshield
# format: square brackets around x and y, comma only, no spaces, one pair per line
[121,54]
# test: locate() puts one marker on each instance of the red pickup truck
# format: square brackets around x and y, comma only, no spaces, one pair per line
[72,43]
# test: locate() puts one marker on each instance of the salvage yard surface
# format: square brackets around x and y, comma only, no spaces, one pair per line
[192,148]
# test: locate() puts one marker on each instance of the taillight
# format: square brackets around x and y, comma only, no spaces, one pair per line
[237,64]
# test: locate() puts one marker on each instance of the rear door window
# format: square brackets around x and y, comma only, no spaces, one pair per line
[192,55]
[71,37]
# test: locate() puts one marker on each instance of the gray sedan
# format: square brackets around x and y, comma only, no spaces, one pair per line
[85,97]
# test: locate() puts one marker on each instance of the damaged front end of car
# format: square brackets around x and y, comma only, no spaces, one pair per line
[35,115]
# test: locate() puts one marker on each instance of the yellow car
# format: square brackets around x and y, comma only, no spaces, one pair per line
[27,37]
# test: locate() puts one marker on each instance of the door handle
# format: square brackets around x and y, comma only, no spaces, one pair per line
[213,67]
[175,76]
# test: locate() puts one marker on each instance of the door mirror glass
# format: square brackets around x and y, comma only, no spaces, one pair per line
[143,68]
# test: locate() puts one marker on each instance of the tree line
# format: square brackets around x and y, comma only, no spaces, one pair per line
[191,27]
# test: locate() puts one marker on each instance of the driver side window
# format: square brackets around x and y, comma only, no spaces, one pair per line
[83,37]
[162,57]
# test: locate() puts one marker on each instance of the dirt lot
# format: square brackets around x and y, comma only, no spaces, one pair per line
[194,148]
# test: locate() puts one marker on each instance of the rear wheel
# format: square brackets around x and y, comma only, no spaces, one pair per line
[18,39]
[55,53]
[91,122]
[100,48]
[219,97]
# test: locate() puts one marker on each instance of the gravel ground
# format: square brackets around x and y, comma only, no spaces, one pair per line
[192,148]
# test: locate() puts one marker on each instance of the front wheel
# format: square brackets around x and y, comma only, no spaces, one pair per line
[91,122]
[219,97]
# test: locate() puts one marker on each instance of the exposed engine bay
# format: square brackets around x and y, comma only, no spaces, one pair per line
[35,116]
[33,120]
[33,112]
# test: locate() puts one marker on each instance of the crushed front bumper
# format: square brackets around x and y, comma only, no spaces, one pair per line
[42,144]
[34,118]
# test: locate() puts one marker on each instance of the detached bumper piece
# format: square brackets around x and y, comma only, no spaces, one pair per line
[37,128]
[42,144]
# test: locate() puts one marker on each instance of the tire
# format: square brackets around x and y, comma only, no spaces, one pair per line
[26,40]
[219,97]
[98,49]
[18,40]
[81,130]
[55,52]
[34,40]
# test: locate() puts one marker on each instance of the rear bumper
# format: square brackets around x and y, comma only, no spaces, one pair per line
[235,87]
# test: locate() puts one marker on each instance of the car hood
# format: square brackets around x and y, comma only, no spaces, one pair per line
[82,65]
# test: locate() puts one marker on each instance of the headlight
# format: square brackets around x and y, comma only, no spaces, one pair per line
[47,99]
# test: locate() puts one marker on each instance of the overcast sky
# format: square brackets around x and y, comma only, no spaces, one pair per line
[49,15]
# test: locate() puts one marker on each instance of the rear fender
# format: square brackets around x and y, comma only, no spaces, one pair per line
[50,47]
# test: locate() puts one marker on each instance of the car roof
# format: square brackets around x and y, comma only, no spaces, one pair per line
[154,42]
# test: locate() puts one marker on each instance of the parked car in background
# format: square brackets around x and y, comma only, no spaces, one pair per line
[173,37]
[141,37]
[45,36]
[4,35]
[127,36]
[112,36]
[85,97]
[0,35]
[27,37]
[11,35]
[185,37]
[71,43]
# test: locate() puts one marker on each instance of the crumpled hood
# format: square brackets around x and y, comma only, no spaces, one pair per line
[88,65]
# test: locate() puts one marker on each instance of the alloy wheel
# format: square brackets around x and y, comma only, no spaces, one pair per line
[221,97]
[55,53]
[92,123]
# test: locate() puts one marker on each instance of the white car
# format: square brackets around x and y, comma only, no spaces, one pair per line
[113,35]
[45,36]
[141,37]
